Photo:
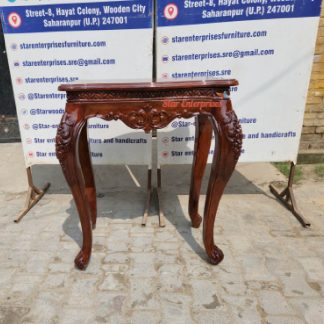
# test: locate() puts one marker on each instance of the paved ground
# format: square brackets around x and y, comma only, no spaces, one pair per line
[272,272]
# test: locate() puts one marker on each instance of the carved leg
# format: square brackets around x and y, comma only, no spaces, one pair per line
[202,145]
[85,161]
[67,147]
[228,144]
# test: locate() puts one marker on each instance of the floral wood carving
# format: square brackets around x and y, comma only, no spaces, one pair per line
[123,94]
[64,136]
[233,132]
[148,118]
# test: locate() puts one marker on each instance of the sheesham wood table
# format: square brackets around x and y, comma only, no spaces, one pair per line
[151,106]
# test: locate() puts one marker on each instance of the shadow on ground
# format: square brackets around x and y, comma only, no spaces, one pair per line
[108,178]
[122,199]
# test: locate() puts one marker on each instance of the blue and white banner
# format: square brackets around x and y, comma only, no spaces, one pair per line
[267,45]
[77,17]
[196,12]
[54,42]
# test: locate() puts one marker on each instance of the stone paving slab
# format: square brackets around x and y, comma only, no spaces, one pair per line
[273,271]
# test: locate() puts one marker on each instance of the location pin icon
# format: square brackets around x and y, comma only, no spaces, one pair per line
[14,19]
[170,11]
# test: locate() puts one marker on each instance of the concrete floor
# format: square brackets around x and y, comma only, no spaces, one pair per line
[273,271]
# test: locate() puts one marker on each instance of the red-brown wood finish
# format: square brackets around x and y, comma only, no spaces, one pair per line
[151,106]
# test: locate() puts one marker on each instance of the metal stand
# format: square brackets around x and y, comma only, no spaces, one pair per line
[148,197]
[158,195]
[34,195]
[154,166]
[287,197]
[150,191]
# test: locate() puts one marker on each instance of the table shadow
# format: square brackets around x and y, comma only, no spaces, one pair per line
[119,187]
[122,201]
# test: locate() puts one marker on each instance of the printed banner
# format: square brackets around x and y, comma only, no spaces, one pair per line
[267,45]
[54,42]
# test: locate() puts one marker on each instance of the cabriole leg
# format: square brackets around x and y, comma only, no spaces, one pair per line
[86,165]
[228,142]
[67,151]
[202,145]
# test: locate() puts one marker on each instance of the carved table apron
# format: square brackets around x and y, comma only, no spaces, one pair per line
[150,106]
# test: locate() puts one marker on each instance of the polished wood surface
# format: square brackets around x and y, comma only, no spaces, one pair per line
[151,106]
[147,85]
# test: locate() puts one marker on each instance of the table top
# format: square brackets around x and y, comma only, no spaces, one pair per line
[106,86]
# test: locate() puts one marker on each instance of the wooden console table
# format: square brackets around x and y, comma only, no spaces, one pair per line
[150,106]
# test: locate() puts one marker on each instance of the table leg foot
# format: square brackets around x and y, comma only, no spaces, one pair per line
[215,255]
[81,261]
[196,221]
